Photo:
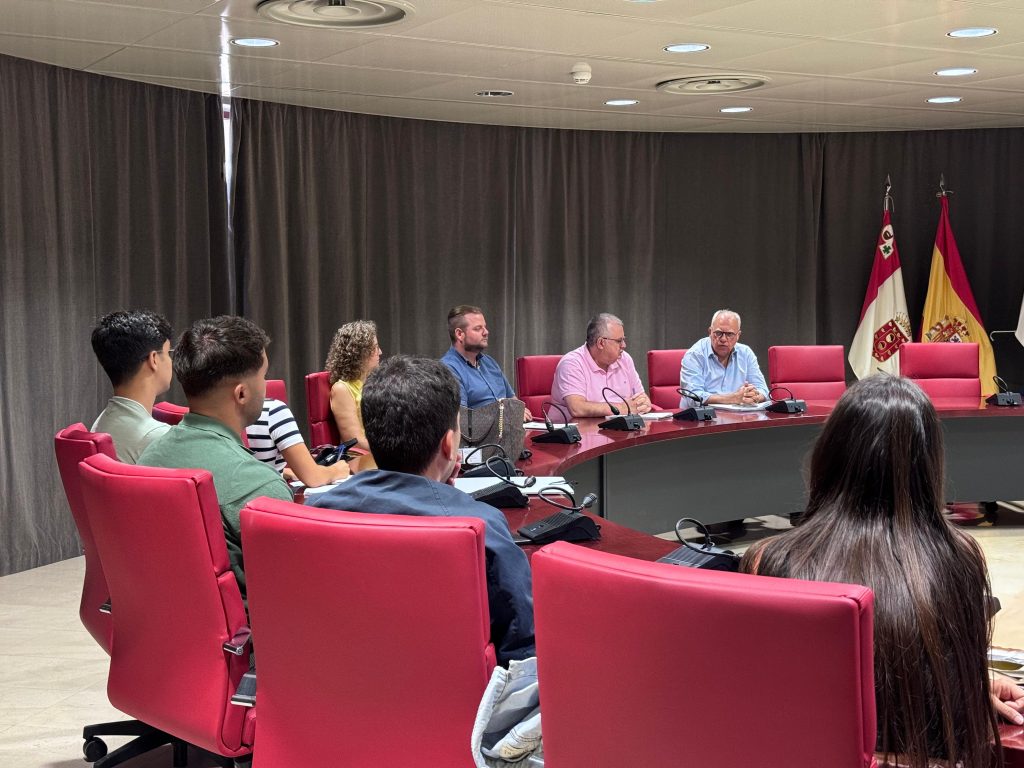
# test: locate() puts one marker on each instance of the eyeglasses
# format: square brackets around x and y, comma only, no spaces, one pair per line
[621,342]
[728,335]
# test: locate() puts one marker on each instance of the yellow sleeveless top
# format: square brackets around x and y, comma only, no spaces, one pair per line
[355,388]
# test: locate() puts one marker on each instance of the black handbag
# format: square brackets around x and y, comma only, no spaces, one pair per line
[500,423]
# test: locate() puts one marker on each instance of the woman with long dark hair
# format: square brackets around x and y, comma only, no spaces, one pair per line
[874,517]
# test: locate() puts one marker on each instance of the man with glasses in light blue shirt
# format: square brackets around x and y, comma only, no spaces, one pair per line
[719,370]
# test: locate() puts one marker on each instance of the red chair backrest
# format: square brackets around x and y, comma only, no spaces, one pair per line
[534,376]
[169,413]
[648,668]
[943,370]
[72,445]
[812,372]
[175,601]
[323,430]
[663,377]
[277,390]
[366,623]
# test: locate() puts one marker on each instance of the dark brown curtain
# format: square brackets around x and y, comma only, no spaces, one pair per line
[110,197]
[982,168]
[340,216]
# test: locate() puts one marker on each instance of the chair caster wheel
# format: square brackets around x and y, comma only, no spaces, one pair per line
[94,749]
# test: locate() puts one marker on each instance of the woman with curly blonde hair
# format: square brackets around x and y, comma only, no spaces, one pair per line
[354,353]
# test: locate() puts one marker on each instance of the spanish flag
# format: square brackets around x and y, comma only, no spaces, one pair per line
[950,313]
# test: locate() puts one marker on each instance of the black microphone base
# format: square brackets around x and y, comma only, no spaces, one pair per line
[697,413]
[495,466]
[567,434]
[787,406]
[628,423]
[501,495]
[1004,399]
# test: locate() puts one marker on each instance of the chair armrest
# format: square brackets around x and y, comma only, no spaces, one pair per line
[245,693]
[238,643]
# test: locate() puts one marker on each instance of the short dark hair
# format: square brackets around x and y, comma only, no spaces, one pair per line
[457,318]
[122,341]
[217,348]
[408,405]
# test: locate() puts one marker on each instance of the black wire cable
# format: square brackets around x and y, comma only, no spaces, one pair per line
[708,543]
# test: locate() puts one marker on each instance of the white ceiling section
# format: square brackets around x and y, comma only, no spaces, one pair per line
[831,65]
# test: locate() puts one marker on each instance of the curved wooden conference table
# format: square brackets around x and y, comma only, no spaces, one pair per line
[747,465]
[752,463]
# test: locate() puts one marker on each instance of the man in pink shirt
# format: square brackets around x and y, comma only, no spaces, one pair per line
[602,362]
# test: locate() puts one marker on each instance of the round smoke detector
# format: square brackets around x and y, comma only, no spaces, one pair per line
[343,14]
[712,84]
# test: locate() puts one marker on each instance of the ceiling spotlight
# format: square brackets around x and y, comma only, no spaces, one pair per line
[686,47]
[254,42]
[495,94]
[944,99]
[621,102]
[735,110]
[972,32]
[955,72]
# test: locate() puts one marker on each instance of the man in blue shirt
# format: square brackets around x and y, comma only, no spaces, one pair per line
[480,378]
[718,369]
[411,416]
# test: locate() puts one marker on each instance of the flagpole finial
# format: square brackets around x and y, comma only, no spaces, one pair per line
[887,201]
[943,192]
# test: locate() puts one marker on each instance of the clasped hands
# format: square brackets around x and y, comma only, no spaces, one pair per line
[747,395]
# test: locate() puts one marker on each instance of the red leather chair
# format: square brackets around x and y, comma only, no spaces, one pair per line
[662,665]
[813,372]
[277,390]
[72,445]
[323,430]
[180,631]
[945,371]
[534,376]
[373,635]
[169,413]
[663,377]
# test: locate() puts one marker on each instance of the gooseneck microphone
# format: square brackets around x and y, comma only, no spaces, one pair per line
[787,405]
[631,422]
[699,412]
[567,434]
[1004,397]
[570,524]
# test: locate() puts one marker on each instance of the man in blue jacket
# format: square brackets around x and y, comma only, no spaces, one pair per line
[411,417]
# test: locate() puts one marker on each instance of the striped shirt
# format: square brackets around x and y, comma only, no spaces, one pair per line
[275,432]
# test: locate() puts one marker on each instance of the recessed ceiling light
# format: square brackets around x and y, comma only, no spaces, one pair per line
[621,102]
[254,42]
[944,99]
[955,72]
[495,94]
[686,47]
[972,32]
[731,110]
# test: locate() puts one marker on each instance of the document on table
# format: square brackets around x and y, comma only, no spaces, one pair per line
[473,484]
[543,427]
[657,415]
[736,407]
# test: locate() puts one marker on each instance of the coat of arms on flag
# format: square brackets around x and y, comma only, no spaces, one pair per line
[884,321]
